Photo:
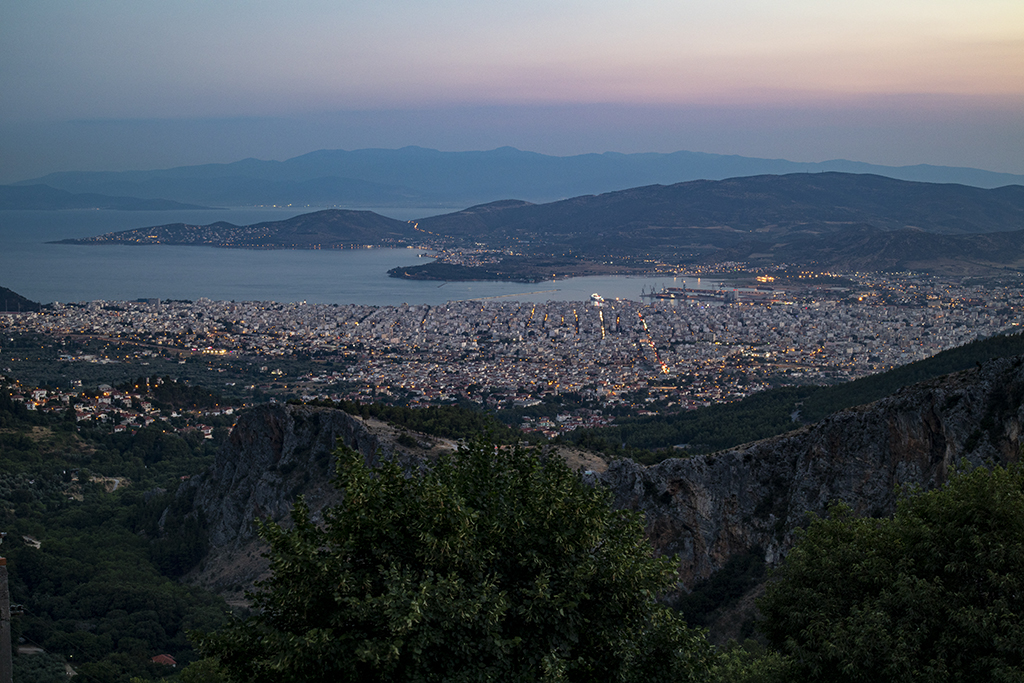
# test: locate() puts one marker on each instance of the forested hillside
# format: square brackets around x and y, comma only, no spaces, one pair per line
[95,542]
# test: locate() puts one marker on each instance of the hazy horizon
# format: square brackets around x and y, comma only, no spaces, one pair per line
[115,85]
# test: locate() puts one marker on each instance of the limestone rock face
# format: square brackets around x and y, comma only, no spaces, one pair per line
[275,453]
[708,508]
[705,509]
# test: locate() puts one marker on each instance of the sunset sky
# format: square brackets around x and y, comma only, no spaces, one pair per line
[118,84]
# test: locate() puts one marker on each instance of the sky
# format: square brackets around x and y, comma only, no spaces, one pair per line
[123,84]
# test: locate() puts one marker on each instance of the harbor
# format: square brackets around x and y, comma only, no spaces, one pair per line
[720,295]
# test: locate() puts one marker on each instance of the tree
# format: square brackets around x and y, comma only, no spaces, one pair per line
[935,593]
[495,564]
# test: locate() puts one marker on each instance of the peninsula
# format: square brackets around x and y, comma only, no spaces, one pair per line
[825,220]
[328,229]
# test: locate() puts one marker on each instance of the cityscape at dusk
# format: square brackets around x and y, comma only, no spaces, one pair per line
[663,357]
[475,342]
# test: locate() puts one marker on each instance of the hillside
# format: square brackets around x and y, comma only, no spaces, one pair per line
[737,505]
[740,509]
[830,220]
[329,229]
[96,542]
[707,508]
[14,302]
[770,205]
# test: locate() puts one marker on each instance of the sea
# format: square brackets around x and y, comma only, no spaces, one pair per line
[34,267]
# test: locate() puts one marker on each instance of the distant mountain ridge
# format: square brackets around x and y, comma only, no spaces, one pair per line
[772,204]
[838,220]
[414,176]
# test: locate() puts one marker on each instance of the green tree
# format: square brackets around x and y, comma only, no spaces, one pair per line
[202,671]
[495,564]
[935,593]
[39,668]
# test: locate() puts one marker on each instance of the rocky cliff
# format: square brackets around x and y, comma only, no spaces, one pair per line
[275,453]
[709,508]
[705,509]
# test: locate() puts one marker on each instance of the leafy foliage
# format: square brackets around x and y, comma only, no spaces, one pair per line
[936,593]
[39,668]
[92,593]
[723,588]
[719,426]
[453,422]
[751,662]
[494,565]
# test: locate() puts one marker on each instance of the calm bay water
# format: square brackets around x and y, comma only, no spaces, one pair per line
[63,272]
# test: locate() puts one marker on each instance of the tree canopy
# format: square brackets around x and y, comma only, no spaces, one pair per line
[935,593]
[493,564]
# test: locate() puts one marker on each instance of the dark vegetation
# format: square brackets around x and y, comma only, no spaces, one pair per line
[455,272]
[780,203]
[510,269]
[12,301]
[831,220]
[769,413]
[930,594]
[494,565]
[934,593]
[179,395]
[723,589]
[450,422]
[95,538]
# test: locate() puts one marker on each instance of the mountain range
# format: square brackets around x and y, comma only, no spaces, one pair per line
[418,177]
[774,204]
[836,220]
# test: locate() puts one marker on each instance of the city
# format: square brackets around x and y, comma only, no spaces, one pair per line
[616,357]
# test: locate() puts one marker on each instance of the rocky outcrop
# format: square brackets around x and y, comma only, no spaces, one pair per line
[275,453]
[705,509]
[708,508]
